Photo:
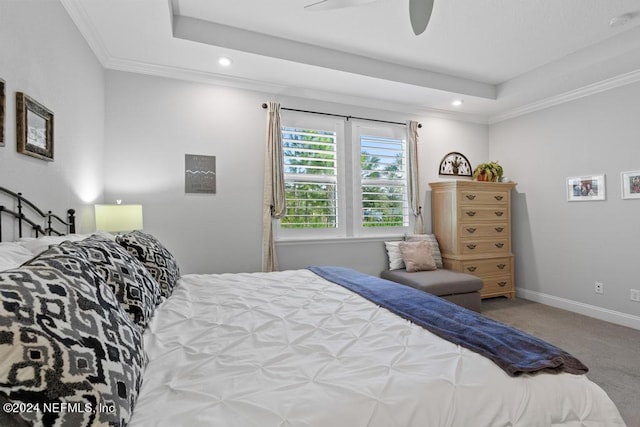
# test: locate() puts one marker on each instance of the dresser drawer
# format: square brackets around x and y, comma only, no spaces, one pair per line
[487,267]
[497,286]
[481,247]
[484,197]
[473,214]
[485,230]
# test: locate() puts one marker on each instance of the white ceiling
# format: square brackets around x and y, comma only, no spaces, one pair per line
[502,57]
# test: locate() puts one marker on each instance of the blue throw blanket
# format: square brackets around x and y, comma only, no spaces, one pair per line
[511,349]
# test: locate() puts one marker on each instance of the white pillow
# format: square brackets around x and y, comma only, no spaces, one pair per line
[40,244]
[13,255]
[394,255]
[105,234]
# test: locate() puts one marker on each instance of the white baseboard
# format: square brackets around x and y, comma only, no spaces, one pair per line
[612,316]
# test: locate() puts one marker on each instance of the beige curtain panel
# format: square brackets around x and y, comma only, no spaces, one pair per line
[274,203]
[413,181]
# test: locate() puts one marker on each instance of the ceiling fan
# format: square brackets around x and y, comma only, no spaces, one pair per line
[419,10]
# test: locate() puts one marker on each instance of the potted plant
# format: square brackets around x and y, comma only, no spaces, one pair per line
[490,171]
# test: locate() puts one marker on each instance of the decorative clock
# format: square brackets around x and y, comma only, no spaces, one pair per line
[456,164]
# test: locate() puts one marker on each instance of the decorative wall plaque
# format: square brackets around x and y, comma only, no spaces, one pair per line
[455,163]
[199,174]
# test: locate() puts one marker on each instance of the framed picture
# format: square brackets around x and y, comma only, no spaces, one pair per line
[199,174]
[34,128]
[630,185]
[586,188]
[2,108]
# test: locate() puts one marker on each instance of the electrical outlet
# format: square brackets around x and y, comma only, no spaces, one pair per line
[635,295]
[599,288]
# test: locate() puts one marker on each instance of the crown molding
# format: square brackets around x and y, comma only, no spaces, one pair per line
[87,30]
[178,73]
[592,89]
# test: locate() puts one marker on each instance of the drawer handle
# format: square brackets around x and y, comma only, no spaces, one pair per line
[499,229]
[498,198]
[472,268]
[499,245]
[502,284]
[471,213]
[471,246]
[499,213]
[501,266]
[471,196]
[471,230]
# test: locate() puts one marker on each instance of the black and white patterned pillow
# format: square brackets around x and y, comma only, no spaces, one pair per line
[154,256]
[67,345]
[136,290]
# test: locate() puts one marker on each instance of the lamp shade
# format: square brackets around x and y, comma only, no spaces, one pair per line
[118,218]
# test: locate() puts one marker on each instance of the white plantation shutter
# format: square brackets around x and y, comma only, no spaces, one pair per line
[311,178]
[383,175]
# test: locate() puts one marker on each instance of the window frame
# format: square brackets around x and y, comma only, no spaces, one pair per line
[307,121]
[384,130]
[349,187]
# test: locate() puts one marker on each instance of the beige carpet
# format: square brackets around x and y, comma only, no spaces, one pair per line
[611,352]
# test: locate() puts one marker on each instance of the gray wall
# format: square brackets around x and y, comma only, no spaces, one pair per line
[43,55]
[153,122]
[563,247]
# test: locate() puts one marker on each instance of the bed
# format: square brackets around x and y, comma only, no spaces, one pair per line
[103,330]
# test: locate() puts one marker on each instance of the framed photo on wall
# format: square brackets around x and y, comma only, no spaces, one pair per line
[34,128]
[630,185]
[2,109]
[586,188]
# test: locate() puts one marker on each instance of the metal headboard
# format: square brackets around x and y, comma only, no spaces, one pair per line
[44,224]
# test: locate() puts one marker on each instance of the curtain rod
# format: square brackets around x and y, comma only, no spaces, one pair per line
[341,115]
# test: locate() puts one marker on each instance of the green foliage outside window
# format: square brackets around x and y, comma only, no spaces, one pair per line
[383,205]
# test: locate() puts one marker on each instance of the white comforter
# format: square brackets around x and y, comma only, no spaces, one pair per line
[292,349]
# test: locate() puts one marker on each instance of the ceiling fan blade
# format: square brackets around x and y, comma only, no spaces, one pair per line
[335,4]
[420,13]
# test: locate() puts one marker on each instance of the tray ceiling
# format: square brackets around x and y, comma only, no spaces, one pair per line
[501,57]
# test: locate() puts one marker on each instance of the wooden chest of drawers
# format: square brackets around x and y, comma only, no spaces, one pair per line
[472,222]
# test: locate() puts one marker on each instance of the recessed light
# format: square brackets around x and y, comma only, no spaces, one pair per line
[457,102]
[224,61]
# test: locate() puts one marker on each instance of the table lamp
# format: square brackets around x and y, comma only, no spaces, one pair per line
[118,218]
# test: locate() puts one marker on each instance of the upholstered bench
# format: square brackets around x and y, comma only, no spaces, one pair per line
[459,288]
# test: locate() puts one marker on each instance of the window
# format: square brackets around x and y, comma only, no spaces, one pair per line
[343,178]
